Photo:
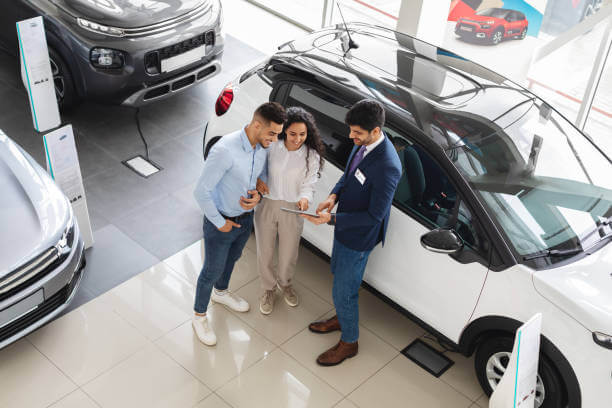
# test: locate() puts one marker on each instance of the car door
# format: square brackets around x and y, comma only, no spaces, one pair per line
[515,24]
[13,11]
[329,112]
[438,289]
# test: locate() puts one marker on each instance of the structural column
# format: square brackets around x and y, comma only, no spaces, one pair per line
[424,19]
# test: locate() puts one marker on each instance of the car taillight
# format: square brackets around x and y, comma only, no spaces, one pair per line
[224,100]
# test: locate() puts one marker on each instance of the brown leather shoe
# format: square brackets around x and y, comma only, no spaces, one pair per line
[338,353]
[325,326]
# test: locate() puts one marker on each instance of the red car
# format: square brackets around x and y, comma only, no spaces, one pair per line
[494,25]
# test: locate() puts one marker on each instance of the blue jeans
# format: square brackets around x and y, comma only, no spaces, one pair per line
[221,251]
[348,267]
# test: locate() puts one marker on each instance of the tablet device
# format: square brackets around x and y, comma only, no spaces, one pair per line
[312,214]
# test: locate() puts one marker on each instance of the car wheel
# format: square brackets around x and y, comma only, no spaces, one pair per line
[523,34]
[62,80]
[492,358]
[497,36]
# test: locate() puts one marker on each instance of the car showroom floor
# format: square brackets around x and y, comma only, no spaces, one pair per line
[127,340]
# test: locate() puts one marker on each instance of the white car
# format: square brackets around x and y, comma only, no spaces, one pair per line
[517,200]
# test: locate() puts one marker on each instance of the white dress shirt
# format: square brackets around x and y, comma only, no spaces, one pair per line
[286,174]
[372,146]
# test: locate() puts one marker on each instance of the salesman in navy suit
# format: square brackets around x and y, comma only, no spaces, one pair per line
[364,195]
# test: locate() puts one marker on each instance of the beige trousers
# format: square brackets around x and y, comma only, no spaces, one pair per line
[271,222]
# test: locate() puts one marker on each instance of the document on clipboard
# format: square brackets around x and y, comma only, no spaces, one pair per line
[312,214]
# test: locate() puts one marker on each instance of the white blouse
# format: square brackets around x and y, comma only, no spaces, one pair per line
[286,173]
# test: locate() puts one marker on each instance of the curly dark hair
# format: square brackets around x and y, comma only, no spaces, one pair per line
[296,114]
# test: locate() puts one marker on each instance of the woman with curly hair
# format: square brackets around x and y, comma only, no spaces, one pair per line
[293,167]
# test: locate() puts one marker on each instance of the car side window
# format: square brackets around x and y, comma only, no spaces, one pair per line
[329,113]
[426,192]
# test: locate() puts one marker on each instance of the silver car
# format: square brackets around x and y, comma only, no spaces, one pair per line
[41,250]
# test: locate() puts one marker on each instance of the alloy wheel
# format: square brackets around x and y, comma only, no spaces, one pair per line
[497,37]
[496,367]
[58,80]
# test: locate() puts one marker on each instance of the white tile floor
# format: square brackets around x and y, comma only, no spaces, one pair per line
[134,347]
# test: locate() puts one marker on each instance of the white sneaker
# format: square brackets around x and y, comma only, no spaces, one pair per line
[231,300]
[203,330]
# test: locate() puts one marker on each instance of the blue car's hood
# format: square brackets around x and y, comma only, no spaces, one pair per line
[128,13]
[33,211]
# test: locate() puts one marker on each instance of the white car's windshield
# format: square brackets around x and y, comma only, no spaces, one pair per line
[548,187]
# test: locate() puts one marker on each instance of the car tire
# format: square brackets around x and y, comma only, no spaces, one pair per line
[497,36]
[523,34]
[63,81]
[550,391]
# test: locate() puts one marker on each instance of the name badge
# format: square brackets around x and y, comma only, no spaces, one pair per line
[360,177]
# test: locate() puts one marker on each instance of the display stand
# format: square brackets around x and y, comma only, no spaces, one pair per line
[63,165]
[517,387]
[36,74]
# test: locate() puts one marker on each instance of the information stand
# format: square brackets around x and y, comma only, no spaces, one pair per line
[63,166]
[36,74]
[517,388]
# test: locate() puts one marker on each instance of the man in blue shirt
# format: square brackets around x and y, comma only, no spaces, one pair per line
[364,195]
[227,194]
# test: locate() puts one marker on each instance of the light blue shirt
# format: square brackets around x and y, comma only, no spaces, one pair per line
[231,169]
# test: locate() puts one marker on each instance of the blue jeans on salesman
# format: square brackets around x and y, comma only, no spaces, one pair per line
[221,251]
[348,267]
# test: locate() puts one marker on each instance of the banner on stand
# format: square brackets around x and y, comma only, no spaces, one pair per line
[63,165]
[36,74]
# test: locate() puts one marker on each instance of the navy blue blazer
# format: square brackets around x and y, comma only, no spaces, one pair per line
[363,209]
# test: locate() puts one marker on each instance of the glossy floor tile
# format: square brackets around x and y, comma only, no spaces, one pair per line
[238,347]
[213,401]
[386,322]
[188,264]
[77,399]
[147,379]
[285,321]
[373,355]
[404,384]
[462,377]
[88,341]
[345,403]
[315,273]
[28,379]
[278,381]
[154,302]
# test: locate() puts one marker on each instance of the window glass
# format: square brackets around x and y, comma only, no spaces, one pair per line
[329,113]
[426,191]
[545,183]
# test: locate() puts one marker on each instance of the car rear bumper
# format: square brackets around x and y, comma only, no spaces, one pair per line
[58,287]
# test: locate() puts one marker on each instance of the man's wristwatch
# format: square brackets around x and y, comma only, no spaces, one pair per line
[332,220]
